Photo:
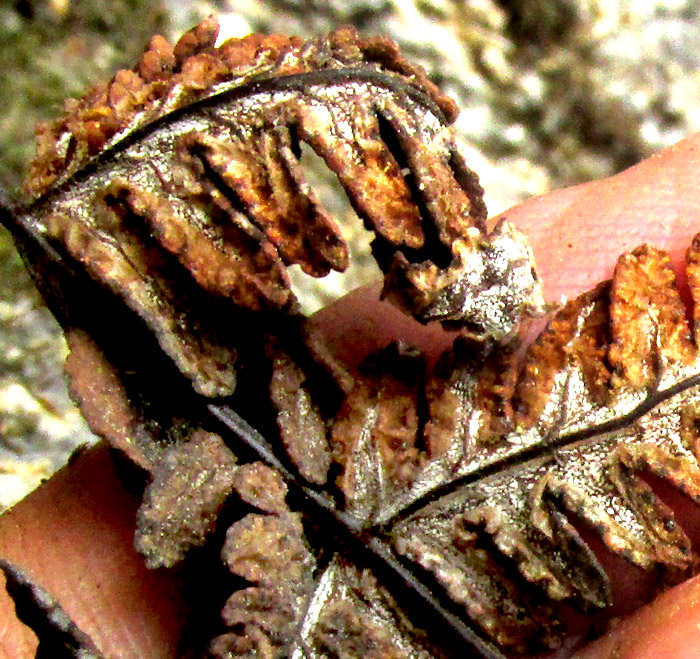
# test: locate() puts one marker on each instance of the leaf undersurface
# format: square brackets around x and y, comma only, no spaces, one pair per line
[397,509]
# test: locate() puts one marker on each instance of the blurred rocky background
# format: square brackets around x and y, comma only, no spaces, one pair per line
[553,93]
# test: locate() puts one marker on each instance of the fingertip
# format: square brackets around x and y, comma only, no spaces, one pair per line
[360,323]
[74,536]
[578,233]
[665,629]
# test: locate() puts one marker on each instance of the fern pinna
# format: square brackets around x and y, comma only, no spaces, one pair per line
[397,509]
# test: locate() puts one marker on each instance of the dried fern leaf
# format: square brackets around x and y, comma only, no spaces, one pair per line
[478,483]
[608,393]
[178,186]
[490,485]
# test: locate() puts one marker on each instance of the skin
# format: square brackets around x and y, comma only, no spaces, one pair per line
[74,535]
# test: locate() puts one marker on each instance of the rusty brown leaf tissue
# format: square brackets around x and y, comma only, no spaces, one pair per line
[399,509]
